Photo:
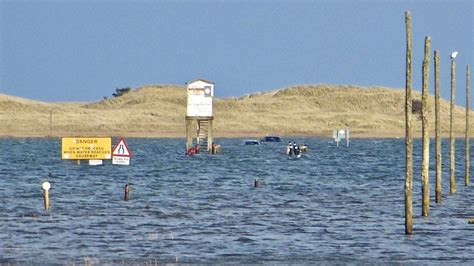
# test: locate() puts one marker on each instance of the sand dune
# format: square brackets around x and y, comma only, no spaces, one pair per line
[159,111]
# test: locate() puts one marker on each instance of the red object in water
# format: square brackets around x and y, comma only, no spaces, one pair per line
[191,151]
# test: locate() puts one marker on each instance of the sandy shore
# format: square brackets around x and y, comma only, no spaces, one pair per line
[225,134]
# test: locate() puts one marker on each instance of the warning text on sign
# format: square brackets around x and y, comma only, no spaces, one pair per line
[86,148]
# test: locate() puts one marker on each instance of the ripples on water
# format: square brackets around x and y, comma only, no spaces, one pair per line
[336,205]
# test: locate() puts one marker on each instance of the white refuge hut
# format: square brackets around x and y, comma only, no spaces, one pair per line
[199,115]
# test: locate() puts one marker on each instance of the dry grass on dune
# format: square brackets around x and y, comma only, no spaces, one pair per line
[318,109]
[160,111]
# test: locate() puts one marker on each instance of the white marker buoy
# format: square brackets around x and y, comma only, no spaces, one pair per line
[46,185]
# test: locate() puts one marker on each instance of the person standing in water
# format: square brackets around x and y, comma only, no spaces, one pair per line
[296,149]
[289,148]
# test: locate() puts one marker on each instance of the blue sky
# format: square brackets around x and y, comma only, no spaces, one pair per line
[84,50]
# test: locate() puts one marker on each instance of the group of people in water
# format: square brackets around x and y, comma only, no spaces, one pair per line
[193,150]
[293,148]
[215,148]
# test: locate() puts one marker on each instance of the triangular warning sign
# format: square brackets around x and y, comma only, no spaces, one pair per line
[121,149]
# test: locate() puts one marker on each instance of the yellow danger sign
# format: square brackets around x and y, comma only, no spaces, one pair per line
[86,148]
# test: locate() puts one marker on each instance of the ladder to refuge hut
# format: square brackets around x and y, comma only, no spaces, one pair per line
[203,133]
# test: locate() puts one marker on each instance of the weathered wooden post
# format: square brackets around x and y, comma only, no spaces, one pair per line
[127,193]
[437,129]
[468,74]
[46,186]
[425,178]
[408,133]
[452,178]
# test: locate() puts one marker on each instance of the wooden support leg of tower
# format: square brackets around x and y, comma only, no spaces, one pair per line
[190,132]
[210,139]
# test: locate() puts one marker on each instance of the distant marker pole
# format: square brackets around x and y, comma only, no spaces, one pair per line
[336,136]
[46,186]
[408,133]
[347,137]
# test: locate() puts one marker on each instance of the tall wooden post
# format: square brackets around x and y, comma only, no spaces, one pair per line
[425,188]
[468,74]
[408,134]
[452,178]
[437,129]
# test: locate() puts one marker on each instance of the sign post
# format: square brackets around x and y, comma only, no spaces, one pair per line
[335,135]
[121,153]
[339,134]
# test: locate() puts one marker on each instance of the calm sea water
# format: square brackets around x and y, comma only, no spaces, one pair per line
[333,205]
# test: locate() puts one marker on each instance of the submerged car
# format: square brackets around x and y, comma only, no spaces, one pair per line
[271,139]
[251,142]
